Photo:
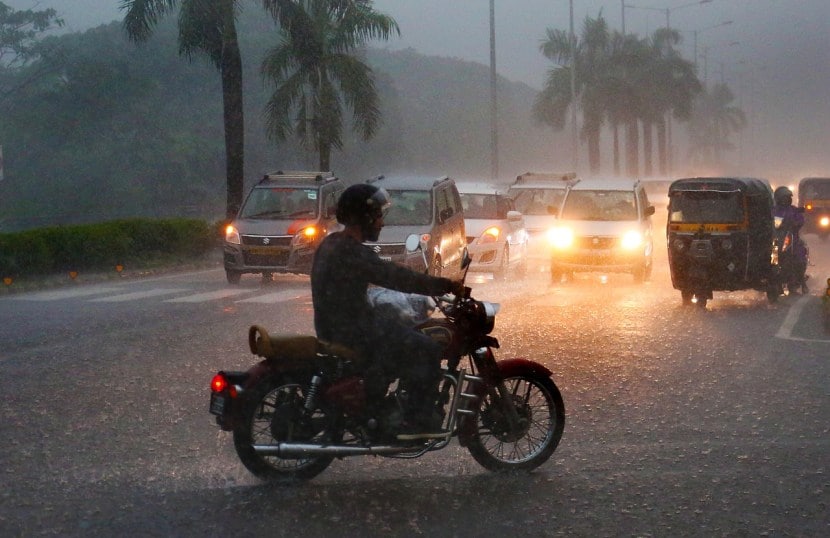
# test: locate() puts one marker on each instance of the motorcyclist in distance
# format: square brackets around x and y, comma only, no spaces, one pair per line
[794,220]
[341,273]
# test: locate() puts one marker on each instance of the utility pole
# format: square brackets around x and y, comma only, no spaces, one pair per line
[574,132]
[494,113]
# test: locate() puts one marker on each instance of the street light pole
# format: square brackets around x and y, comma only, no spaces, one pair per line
[494,135]
[574,134]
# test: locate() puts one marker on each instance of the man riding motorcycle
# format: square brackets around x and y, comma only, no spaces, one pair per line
[341,273]
[792,220]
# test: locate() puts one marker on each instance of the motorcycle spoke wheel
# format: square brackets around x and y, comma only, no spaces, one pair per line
[272,414]
[540,407]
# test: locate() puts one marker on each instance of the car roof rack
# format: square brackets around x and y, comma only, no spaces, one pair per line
[293,175]
[530,177]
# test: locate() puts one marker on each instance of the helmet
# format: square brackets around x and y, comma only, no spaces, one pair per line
[362,204]
[783,196]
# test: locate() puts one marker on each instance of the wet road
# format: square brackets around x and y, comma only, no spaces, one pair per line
[680,421]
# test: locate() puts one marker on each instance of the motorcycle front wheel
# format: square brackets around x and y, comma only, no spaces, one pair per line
[497,447]
[273,413]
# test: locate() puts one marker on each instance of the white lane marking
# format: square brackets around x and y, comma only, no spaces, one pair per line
[66,294]
[138,295]
[209,296]
[785,331]
[280,296]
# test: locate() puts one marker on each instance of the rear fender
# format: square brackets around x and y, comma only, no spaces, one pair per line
[507,368]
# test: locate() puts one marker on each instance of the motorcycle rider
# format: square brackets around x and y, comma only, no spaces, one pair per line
[341,273]
[793,218]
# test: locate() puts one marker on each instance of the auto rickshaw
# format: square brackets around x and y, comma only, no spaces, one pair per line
[720,237]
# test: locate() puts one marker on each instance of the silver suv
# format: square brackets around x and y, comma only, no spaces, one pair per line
[431,208]
[281,223]
[604,225]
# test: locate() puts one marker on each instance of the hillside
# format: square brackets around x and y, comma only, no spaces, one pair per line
[124,130]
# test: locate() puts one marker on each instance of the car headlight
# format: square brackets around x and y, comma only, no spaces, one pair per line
[305,236]
[232,235]
[824,222]
[631,240]
[561,238]
[490,235]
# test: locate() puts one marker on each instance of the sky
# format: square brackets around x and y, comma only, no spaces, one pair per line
[774,54]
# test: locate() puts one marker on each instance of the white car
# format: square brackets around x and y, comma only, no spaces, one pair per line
[604,226]
[496,236]
[538,197]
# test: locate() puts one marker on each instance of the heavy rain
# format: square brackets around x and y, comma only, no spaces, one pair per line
[691,359]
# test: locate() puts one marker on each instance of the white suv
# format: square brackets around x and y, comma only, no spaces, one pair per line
[604,226]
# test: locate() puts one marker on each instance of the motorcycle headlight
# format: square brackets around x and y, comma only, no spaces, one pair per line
[232,235]
[560,237]
[490,235]
[305,236]
[631,240]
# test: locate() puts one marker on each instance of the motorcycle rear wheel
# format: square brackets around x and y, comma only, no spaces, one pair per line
[538,400]
[273,413]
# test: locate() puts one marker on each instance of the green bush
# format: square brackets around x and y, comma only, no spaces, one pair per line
[102,246]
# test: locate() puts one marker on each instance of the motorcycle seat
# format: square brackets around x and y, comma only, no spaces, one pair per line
[292,346]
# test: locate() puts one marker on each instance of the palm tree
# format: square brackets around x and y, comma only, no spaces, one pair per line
[588,56]
[670,86]
[207,27]
[713,119]
[315,71]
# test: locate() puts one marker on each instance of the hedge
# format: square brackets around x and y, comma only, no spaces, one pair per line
[103,245]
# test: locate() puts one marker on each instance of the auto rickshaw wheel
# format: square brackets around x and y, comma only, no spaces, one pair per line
[686,295]
[773,293]
[701,300]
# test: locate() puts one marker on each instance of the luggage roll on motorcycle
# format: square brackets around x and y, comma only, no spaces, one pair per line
[305,403]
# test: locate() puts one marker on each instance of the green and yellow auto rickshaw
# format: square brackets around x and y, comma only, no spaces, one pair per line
[720,237]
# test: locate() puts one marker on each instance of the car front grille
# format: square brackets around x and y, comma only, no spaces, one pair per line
[389,249]
[596,242]
[267,240]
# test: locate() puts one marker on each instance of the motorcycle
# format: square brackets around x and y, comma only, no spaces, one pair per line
[305,403]
[825,307]
[790,257]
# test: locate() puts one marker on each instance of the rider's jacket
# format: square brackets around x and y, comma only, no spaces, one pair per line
[341,273]
[794,219]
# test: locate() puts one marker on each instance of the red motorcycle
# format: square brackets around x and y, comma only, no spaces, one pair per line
[305,404]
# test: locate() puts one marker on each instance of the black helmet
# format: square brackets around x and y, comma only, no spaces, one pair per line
[362,204]
[783,196]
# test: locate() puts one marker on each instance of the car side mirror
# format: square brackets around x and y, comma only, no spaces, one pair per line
[446,214]
[553,210]
[514,216]
[649,211]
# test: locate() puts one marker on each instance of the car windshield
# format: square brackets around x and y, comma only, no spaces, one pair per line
[539,201]
[600,205]
[706,207]
[409,208]
[277,203]
[814,188]
[479,206]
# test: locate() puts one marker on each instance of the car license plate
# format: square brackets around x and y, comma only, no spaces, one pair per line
[217,404]
[266,251]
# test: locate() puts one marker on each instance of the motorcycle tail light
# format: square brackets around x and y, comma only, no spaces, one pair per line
[220,384]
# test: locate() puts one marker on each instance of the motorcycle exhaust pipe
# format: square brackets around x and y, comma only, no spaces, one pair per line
[299,450]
